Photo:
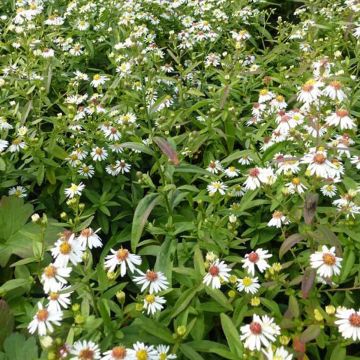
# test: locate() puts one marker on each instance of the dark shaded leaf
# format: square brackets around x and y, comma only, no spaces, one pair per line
[310,207]
[289,243]
[167,149]
[307,282]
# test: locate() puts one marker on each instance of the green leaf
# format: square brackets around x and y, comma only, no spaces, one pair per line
[14,284]
[232,335]
[6,321]
[190,353]
[347,266]
[311,333]
[339,353]
[289,243]
[183,301]
[212,347]
[157,329]
[219,297]
[141,215]
[138,147]
[16,345]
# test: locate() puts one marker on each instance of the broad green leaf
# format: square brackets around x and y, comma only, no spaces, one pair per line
[155,328]
[190,353]
[232,335]
[219,297]
[183,301]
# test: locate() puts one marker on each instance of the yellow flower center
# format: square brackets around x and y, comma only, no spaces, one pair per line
[329,259]
[150,298]
[96,77]
[65,248]
[296,181]
[50,271]
[122,254]
[247,281]
[141,355]
[42,315]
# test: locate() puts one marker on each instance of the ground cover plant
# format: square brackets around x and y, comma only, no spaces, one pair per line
[179,179]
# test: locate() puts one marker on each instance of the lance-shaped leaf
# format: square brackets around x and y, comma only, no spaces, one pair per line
[310,207]
[7,321]
[289,243]
[307,282]
[141,215]
[310,333]
[167,149]
[231,334]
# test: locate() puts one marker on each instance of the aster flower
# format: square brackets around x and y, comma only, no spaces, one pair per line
[348,323]
[318,164]
[278,219]
[280,354]
[53,276]
[341,119]
[44,320]
[217,186]
[140,351]
[155,280]
[74,190]
[89,238]
[98,80]
[18,191]
[117,353]
[66,250]
[248,284]
[163,353]
[325,262]
[231,172]
[123,258]
[334,91]
[59,298]
[257,259]
[310,91]
[295,186]
[218,272]
[82,350]
[262,331]
[153,303]
[99,154]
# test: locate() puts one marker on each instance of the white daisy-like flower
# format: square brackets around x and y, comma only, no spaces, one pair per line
[280,354]
[355,160]
[318,164]
[163,353]
[256,258]
[89,238]
[82,350]
[325,262]
[86,171]
[265,95]
[59,298]
[245,160]
[98,80]
[140,351]
[117,353]
[123,258]
[17,145]
[248,284]
[123,166]
[218,272]
[153,303]
[334,91]
[3,145]
[342,119]
[278,219]
[310,91]
[329,190]
[252,182]
[99,154]
[349,323]
[53,276]
[44,320]
[155,280]
[214,167]
[295,186]
[74,190]
[231,172]
[18,191]
[217,186]
[260,332]
[66,250]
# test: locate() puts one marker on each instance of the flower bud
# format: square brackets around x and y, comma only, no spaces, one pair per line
[121,296]
[330,309]
[255,301]
[181,330]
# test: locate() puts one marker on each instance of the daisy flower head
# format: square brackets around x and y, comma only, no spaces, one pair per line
[231,172]
[256,258]
[262,331]
[214,167]
[329,190]
[140,351]
[325,262]
[59,298]
[348,323]
[318,163]
[278,219]
[155,280]
[88,237]
[217,186]
[248,284]
[85,350]
[252,182]
[280,354]
[98,154]
[117,353]
[98,80]
[44,320]
[265,95]
[153,303]
[18,191]
[310,91]
[163,353]
[74,190]
[67,249]
[341,119]
[334,91]
[218,272]
[124,258]
[53,276]
[295,186]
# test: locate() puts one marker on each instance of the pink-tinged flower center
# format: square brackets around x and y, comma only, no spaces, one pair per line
[86,232]
[354,320]
[212,165]
[329,259]
[285,118]
[253,257]
[255,328]
[342,113]
[336,85]
[42,315]
[122,254]
[151,275]
[319,158]
[254,172]
[98,151]
[277,215]
[86,354]
[307,87]
[214,270]
[113,130]
[118,352]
